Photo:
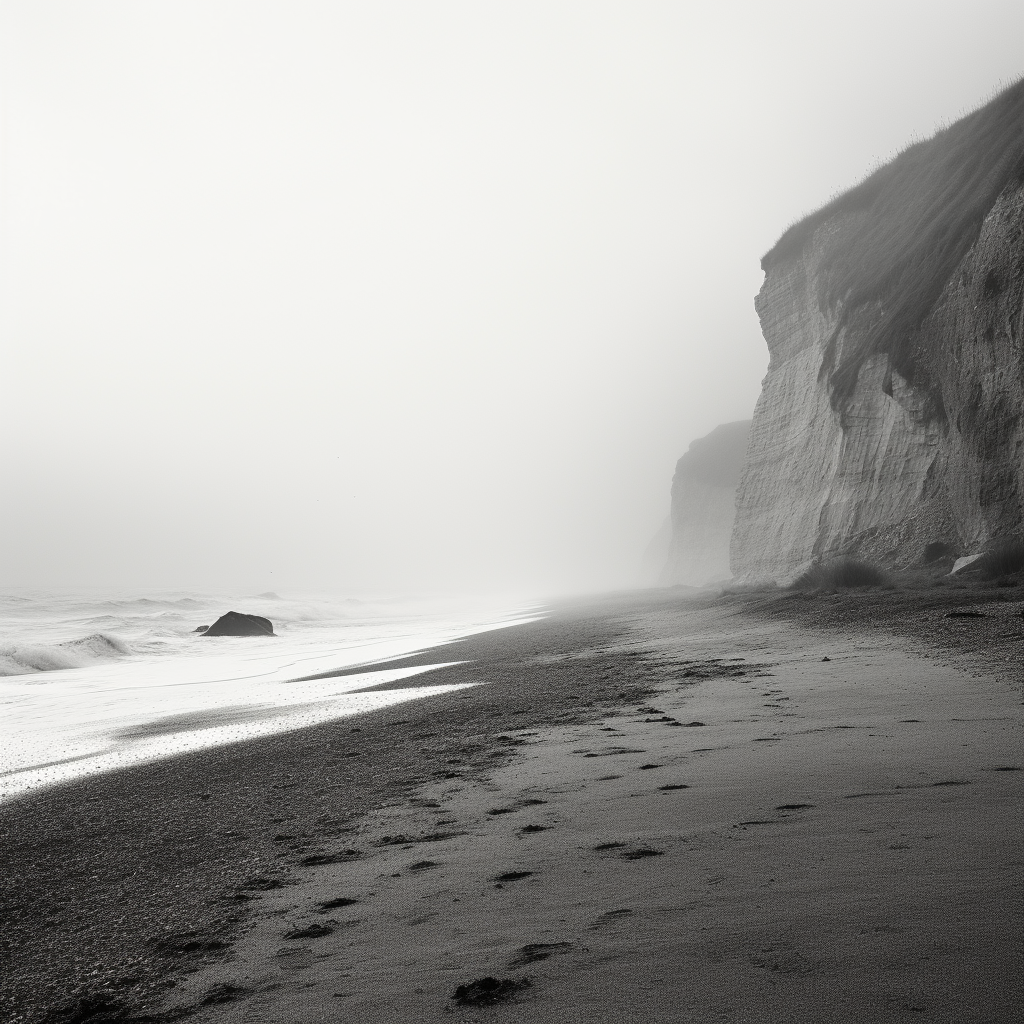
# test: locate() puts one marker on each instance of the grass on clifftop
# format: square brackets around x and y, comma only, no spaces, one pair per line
[919,216]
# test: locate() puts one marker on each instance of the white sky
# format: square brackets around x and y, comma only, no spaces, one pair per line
[391,295]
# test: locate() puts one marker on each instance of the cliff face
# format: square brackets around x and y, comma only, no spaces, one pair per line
[703,506]
[890,416]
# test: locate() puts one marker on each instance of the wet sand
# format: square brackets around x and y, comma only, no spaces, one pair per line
[656,809]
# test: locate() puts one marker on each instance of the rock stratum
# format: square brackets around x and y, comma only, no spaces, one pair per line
[890,415]
[703,506]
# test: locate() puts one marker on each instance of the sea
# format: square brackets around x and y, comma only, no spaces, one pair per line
[92,683]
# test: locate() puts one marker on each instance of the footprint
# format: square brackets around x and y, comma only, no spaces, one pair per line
[646,767]
[316,930]
[793,807]
[673,785]
[295,958]
[607,778]
[512,876]
[608,846]
[641,852]
[488,991]
[337,904]
[265,883]
[933,785]
[609,917]
[423,865]
[517,806]
[339,857]
[190,942]
[404,840]
[534,951]
[224,992]
[511,741]
[534,828]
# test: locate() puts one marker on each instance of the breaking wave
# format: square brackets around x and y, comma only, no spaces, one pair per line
[19,659]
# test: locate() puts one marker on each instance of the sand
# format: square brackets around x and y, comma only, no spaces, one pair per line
[655,810]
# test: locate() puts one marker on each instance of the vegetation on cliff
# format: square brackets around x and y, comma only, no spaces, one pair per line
[913,221]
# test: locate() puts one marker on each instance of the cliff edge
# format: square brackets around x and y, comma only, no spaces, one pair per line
[890,415]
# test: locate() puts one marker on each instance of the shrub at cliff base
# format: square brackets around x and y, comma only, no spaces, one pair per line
[840,574]
[1003,558]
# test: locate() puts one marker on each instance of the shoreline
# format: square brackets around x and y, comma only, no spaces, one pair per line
[114,884]
[124,883]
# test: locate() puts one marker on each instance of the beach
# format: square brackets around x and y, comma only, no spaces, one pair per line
[650,807]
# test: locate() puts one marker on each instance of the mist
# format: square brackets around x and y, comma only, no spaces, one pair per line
[404,296]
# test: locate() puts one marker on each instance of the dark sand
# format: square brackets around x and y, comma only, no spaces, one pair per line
[839,840]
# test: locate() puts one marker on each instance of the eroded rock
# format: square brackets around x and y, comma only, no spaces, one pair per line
[241,624]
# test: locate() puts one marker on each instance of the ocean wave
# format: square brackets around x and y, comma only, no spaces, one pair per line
[22,659]
[156,602]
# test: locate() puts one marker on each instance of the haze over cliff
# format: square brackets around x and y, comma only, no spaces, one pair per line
[890,416]
[704,505]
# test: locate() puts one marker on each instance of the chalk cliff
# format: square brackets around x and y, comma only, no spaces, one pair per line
[703,506]
[891,413]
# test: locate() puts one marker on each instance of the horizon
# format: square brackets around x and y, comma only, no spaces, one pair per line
[331,299]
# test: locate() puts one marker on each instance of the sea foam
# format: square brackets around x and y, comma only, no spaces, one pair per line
[89,684]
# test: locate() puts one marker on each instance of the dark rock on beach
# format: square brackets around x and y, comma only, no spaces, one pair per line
[241,624]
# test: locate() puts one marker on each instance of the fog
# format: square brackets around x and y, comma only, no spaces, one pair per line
[392,296]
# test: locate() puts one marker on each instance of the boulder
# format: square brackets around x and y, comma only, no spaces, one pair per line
[965,563]
[241,624]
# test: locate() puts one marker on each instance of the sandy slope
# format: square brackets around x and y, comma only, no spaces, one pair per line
[848,844]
